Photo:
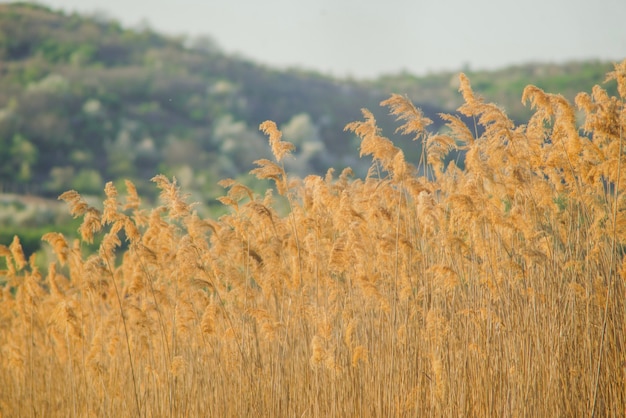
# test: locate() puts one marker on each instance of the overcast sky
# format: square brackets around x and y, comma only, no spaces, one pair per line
[367,38]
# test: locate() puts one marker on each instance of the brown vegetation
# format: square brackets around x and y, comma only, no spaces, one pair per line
[496,290]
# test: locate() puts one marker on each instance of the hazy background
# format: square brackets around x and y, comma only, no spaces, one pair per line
[83,103]
[368,38]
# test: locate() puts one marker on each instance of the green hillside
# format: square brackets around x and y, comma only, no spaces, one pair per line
[84,101]
[504,86]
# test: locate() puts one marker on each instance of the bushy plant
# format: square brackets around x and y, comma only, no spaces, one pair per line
[493,290]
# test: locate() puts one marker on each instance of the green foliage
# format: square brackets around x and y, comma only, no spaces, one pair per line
[84,101]
[94,98]
[504,86]
[90,181]
[30,238]
[18,156]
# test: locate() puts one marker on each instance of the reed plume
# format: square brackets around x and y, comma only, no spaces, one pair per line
[492,285]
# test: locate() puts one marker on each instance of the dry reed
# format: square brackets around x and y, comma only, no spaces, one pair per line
[496,289]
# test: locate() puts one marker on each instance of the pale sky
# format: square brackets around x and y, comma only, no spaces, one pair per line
[367,38]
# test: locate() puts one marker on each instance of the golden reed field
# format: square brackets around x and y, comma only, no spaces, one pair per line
[426,290]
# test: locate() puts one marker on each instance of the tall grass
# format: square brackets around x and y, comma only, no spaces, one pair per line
[496,289]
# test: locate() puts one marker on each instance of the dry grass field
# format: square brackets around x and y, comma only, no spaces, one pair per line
[426,290]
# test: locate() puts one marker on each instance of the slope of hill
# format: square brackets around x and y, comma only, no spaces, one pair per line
[504,86]
[84,101]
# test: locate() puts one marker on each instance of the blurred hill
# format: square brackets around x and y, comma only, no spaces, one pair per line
[503,87]
[84,101]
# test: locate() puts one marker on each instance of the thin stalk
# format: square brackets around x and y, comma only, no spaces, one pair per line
[610,278]
[126,335]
